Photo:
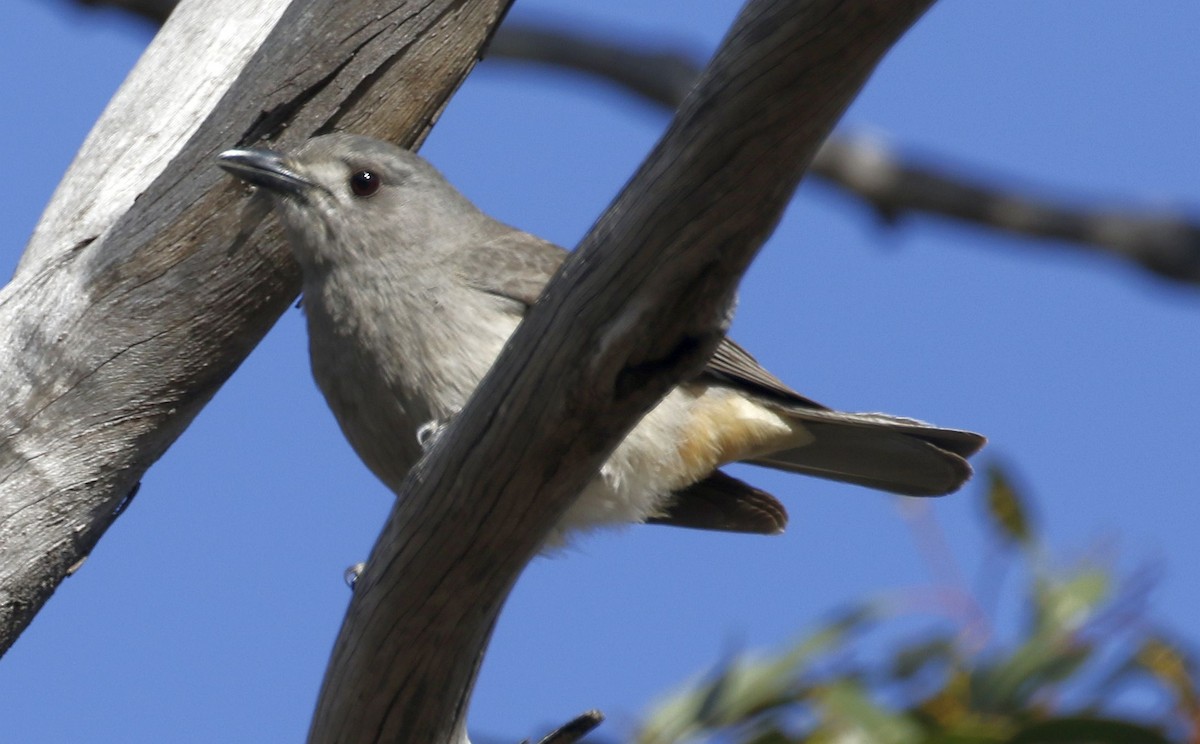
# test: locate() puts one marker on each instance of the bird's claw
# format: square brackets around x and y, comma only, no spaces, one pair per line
[428,433]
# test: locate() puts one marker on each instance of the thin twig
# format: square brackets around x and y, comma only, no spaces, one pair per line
[1165,243]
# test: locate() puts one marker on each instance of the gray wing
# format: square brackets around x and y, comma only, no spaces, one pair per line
[514,265]
[876,450]
[733,364]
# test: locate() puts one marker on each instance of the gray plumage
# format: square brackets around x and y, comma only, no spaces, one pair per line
[411,291]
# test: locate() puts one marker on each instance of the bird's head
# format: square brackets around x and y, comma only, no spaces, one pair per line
[343,197]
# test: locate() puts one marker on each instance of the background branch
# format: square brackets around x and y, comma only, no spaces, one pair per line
[1164,243]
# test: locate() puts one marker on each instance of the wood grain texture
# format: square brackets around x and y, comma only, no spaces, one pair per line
[639,306]
[146,284]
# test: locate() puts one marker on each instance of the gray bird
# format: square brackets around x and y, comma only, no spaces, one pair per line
[410,292]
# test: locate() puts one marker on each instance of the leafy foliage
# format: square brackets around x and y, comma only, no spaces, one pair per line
[1084,657]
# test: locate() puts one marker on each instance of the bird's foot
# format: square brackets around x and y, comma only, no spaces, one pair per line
[428,433]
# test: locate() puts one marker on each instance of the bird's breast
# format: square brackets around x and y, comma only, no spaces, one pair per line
[391,358]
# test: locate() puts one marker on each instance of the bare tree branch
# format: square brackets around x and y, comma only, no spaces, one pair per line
[1165,243]
[144,286]
[662,76]
[639,305]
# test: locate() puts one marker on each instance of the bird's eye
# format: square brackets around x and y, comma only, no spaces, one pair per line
[365,183]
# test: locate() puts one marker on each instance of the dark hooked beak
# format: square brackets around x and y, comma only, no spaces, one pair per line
[266,169]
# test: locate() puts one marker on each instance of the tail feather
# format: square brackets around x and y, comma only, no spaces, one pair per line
[722,502]
[889,453]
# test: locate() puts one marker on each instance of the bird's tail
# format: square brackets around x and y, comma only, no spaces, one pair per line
[890,453]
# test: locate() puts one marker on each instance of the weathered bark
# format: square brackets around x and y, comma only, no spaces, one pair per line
[144,285]
[639,305]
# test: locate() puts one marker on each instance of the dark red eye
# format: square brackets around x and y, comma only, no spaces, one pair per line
[365,183]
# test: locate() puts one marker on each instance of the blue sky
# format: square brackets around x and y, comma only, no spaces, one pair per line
[208,611]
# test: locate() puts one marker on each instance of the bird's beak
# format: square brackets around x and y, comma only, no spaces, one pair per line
[266,169]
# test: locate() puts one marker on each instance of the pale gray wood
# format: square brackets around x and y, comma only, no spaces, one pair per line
[136,298]
[639,306]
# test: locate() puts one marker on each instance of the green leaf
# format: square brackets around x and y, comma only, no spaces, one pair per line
[1006,508]
[1052,654]
[909,661]
[1065,604]
[849,711]
[1087,731]
[1171,666]
[746,687]
[772,736]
